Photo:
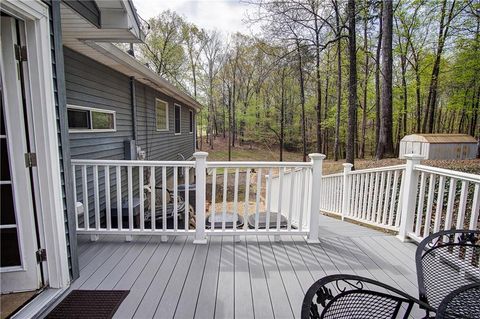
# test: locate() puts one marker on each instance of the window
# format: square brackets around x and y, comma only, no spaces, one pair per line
[87,119]
[161,111]
[191,122]
[177,119]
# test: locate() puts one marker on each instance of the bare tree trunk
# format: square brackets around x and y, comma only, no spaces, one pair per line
[302,100]
[365,86]
[319,87]
[385,141]
[377,80]
[282,116]
[428,122]
[339,84]
[229,124]
[352,84]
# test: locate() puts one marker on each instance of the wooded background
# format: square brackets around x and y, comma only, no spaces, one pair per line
[345,78]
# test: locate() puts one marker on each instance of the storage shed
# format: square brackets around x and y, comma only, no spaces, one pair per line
[439,146]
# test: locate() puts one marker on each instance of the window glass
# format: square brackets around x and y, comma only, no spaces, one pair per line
[78,119]
[102,121]
[177,119]
[191,122]
[161,115]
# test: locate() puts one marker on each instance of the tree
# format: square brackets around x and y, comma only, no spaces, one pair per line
[352,84]
[385,140]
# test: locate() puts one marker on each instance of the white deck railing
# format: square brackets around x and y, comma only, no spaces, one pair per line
[239,198]
[151,203]
[414,200]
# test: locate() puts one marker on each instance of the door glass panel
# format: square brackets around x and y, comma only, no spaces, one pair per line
[4,163]
[10,255]
[7,214]
[2,123]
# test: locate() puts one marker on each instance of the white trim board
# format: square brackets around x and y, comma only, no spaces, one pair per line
[49,199]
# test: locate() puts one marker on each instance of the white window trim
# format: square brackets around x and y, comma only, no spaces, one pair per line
[180,118]
[168,124]
[94,109]
[191,125]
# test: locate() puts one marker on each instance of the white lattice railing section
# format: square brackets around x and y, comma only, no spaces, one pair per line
[375,196]
[106,187]
[252,189]
[332,194]
[153,198]
[446,199]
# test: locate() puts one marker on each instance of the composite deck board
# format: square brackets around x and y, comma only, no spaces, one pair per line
[243,289]
[205,307]
[280,303]
[155,291]
[225,300]
[255,277]
[168,303]
[188,299]
[262,302]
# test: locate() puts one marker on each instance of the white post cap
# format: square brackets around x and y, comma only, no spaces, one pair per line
[347,165]
[317,156]
[414,157]
[200,154]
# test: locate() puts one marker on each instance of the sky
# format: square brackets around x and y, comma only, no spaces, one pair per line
[223,15]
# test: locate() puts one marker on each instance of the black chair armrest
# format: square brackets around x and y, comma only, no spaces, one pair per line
[342,296]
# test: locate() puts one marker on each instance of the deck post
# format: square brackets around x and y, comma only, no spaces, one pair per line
[317,162]
[201,187]
[410,189]
[347,168]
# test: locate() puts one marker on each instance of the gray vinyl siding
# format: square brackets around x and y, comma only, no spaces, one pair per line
[91,84]
[162,145]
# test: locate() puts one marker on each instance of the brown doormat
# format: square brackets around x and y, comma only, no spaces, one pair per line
[89,304]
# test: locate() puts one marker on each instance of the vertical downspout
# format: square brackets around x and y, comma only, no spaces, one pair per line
[134,107]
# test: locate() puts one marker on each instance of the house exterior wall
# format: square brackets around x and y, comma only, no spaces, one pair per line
[92,84]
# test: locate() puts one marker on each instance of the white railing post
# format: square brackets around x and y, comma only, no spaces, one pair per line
[347,168]
[201,188]
[317,160]
[409,198]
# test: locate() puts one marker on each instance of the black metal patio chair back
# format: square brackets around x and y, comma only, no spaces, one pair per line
[350,296]
[446,261]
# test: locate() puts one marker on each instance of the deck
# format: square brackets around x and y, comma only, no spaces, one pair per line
[255,277]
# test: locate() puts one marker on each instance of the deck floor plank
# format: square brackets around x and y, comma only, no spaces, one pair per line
[156,288]
[262,302]
[255,277]
[168,303]
[225,300]
[138,279]
[205,307]
[188,299]
[243,289]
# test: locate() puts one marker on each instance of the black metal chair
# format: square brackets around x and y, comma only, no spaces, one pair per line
[350,296]
[446,261]
[461,303]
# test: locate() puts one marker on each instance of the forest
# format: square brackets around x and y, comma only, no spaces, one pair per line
[347,78]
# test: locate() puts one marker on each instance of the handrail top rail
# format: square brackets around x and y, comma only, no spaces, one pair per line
[132,163]
[378,169]
[259,164]
[333,175]
[449,173]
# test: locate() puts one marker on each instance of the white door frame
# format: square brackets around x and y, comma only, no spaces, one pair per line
[49,203]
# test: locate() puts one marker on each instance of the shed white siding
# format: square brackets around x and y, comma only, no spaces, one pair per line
[439,146]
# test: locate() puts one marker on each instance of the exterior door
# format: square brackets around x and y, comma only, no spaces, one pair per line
[19,269]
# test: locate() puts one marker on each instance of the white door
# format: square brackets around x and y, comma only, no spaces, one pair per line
[19,269]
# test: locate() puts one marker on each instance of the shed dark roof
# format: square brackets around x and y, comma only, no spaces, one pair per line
[440,138]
